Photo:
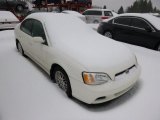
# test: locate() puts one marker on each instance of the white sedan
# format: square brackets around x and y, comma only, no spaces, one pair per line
[7,20]
[85,64]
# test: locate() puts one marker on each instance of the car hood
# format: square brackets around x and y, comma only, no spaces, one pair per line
[80,43]
[98,54]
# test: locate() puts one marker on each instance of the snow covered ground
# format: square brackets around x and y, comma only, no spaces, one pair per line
[26,92]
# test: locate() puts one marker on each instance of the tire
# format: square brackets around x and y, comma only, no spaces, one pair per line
[61,78]
[19,8]
[20,49]
[108,34]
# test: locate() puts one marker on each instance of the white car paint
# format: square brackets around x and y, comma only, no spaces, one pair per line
[82,51]
[93,15]
[8,20]
[76,14]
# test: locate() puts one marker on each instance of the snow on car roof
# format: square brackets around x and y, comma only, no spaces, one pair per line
[72,13]
[7,16]
[63,26]
[152,19]
[98,9]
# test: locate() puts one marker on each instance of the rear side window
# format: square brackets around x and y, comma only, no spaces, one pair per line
[26,26]
[122,21]
[136,22]
[37,30]
[108,13]
[92,12]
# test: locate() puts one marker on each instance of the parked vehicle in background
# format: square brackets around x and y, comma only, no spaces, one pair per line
[86,65]
[137,29]
[76,14]
[86,2]
[16,5]
[155,14]
[97,15]
[7,20]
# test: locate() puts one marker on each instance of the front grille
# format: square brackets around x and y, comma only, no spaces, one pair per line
[125,71]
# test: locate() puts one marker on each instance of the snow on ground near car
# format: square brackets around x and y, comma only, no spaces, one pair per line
[26,92]
[93,26]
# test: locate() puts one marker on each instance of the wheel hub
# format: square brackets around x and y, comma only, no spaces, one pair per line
[60,80]
[108,34]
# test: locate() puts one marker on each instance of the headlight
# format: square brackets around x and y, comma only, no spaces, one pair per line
[95,78]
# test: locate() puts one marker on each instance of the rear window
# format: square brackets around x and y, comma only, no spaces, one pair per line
[122,21]
[108,13]
[92,12]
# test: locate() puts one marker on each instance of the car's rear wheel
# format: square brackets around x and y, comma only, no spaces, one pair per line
[20,49]
[108,34]
[61,78]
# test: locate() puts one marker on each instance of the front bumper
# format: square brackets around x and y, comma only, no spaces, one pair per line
[101,93]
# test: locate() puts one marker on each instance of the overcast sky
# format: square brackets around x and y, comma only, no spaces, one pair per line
[115,4]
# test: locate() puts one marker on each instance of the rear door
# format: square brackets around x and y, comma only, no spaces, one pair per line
[93,16]
[140,36]
[121,26]
[39,49]
[26,35]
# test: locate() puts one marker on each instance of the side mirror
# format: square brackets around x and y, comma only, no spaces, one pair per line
[148,29]
[38,40]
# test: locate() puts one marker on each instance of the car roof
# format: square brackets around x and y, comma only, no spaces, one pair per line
[150,18]
[73,13]
[62,25]
[97,9]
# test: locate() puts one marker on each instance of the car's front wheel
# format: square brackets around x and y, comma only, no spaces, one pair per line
[108,34]
[20,49]
[61,78]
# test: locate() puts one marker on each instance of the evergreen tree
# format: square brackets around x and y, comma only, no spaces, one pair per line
[104,7]
[121,10]
[142,6]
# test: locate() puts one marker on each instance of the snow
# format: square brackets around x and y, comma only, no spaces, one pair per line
[77,14]
[26,92]
[93,26]
[78,29]
[7,16]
